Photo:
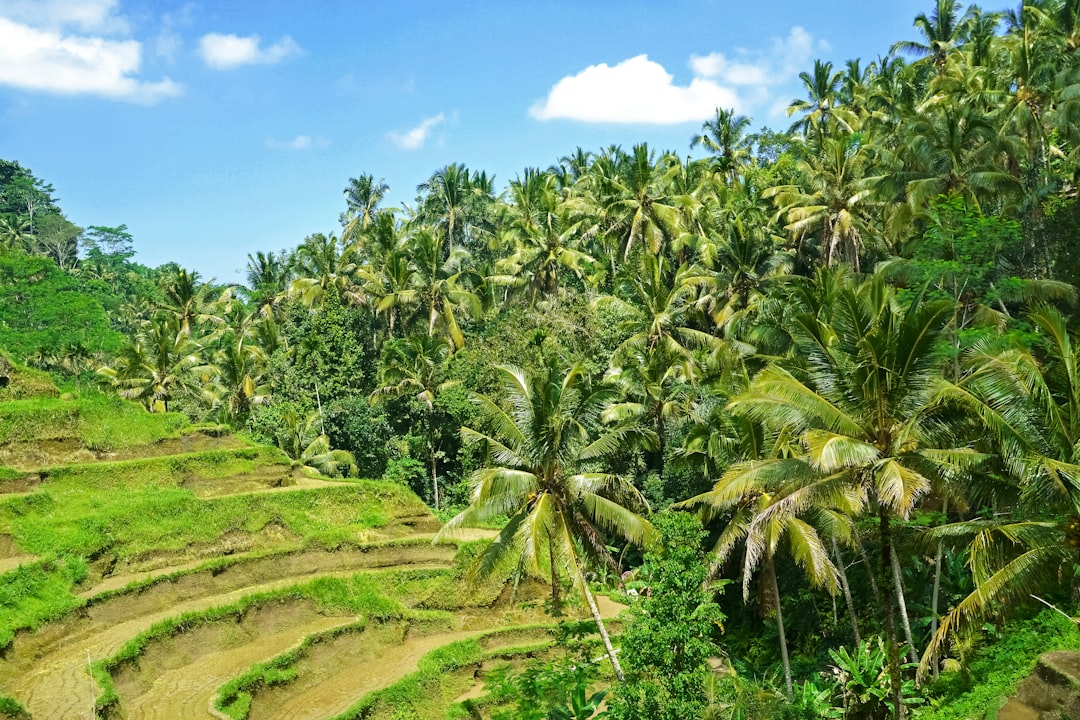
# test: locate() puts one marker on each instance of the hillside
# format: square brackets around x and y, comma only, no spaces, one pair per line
[189,567]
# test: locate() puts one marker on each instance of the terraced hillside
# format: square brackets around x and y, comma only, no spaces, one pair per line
[153,570]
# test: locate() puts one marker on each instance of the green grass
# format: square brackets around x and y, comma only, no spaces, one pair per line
[234,698]
[24,382]
[131,510]
[220,563]
[997,668]
[37,593]
[10,709]
[97,421]
[161,472]
[85,519]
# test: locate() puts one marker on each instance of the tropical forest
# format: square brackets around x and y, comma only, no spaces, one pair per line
[784,423]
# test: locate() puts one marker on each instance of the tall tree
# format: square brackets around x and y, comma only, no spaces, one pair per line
[542,472]
[866,401]
[725,137]
[362,198]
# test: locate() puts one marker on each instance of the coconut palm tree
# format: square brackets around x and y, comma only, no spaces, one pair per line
[302,439]
[546,230]
[362,198]
[634,197]
[657,303]
[268,276]
[656,390]
[162,363]
[724,137]
[942,31]
[1031,405]
[821,107]
[866,401]
[544,472]
[956,149]
[240,381]
[323,262]
[771,498]
[832,203]
[189,300]
[437,291]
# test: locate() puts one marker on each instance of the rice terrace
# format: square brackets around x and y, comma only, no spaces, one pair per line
[201,576]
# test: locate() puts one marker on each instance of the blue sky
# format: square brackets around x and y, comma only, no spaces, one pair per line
[214,129]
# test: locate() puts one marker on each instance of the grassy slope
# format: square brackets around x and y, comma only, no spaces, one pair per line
[99,422]
[996,669]
[135,508]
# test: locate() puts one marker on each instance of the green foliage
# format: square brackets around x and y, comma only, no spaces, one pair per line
[330,351]
[996,668]
[353,424]
[42,309]
[94,421]
[668,639]
[83,513]
[861,681]
[555,690]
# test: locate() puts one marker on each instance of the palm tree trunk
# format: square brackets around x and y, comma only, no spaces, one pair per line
[660,431]
[937,582]
[770,570]
[872,575]
[434,467]
[896,681]
[556,601]
[595,610]
[898,581]
[846,587]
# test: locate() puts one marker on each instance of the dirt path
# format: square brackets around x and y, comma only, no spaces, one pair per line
[11,556]
[14,561]
[47,671]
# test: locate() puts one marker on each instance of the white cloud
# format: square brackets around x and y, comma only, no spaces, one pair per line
[639,90]
[84,15]
[300,142]
[415,138]
[48,60]
[223,52]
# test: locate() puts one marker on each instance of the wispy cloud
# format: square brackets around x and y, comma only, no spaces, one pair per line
[300,142]
[66,47]
[415,138]
[169,41]
[640,90]
[224,52]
